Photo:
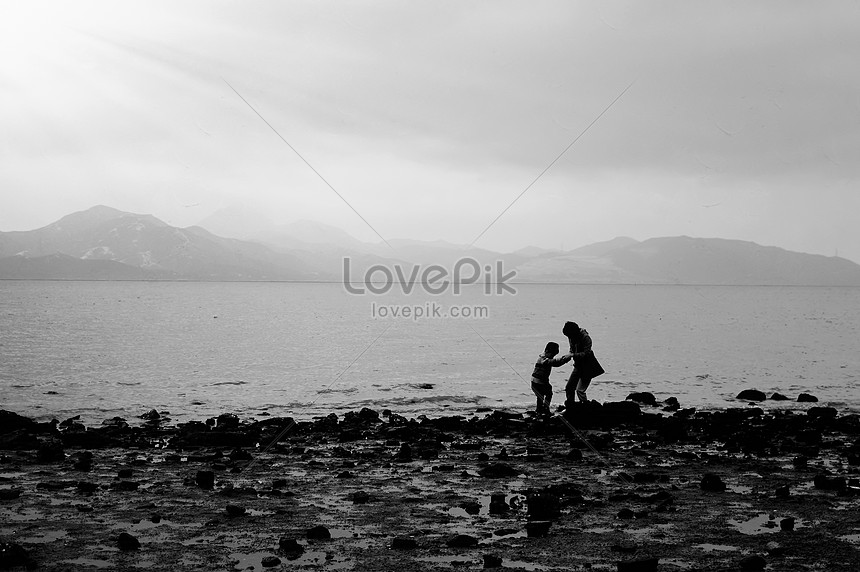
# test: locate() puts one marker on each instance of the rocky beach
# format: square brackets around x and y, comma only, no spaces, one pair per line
[630,486]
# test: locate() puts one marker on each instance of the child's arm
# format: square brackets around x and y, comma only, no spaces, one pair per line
[560,360]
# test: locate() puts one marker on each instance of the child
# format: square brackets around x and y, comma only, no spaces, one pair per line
[540,377]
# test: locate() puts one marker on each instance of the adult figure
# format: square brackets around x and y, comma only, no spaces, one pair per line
[585,365]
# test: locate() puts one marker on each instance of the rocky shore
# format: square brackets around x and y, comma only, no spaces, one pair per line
[628,486]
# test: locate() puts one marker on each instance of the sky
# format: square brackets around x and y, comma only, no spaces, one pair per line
[500,124]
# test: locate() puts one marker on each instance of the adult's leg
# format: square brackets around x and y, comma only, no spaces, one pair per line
[570,390]
[581,387]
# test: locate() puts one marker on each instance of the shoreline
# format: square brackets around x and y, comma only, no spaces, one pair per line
[610,487]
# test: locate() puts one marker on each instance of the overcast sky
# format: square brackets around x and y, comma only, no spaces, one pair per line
[431,118]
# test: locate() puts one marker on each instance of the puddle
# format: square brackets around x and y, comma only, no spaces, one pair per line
[463,561]
[739,489]
[852,538]
[45,537]
[764,523]
[717,547]
[598,530]
[658,530]
[253,561]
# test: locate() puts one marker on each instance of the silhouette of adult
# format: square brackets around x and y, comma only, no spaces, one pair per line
[585,365]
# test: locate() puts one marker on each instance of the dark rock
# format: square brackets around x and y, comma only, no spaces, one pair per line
[498,471]
[752,395]
[806,398]
[270,561]
[787,524]
[823,413]
[127,486]
[291,547]
[10,422]
[712,482]
[319,532]
[87,487]
[279,483]
[543,506]
[405,453]
[829,483]
[783,492]
[643,397]
[775,549]
[471,507]
[9,494]
[205,479]
[779,397]
[626,513]
[538,528]
[404,543]
[360,497]
[498,505]
[639,565]
[462,541]
[624,548]
[51,451]
[754,562]
[125,473]
[151,415]
[234,510]
[492,561]
[574,455]
[128,542]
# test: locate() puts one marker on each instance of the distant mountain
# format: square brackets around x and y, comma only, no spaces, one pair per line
[140,242]
[103,243]
[686,260]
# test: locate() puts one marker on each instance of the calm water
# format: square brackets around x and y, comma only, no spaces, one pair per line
[101,349]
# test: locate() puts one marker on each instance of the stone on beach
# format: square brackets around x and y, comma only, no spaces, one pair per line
[752,395]
[127,542]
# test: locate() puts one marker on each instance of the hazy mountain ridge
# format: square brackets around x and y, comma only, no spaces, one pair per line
[103,243]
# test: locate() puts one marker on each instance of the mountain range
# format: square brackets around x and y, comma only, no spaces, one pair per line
[103,243]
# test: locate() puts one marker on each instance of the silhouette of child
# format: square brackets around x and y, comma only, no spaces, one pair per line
[540,377]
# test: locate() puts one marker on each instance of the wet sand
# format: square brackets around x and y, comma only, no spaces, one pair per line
[624,490]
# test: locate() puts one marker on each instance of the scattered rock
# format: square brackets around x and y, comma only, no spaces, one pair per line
[754,562]
[638,565]
[270,561]
[787,524]
[806,398]
[404,543]
[538,528]
[643,397]
[492,561]
[205,479]
[713,483]
[290,547]
[498,471]
[127,542]
[13,555]
[462,541]
[360,497]
[9,494]
[234,510]
[752,395]
[779,397]
[318,532]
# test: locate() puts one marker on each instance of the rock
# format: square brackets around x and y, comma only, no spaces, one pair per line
[626,514]
[205,479]
[492,561]
[806,398]
[318,532]
[462,541]
[291,547]
[538,528]
[404,543]
[754,562]
[471,507]
[783,492]
[713,483]
[127,486]
[498,471]
[151,415]
[829,483]
[9,494]
[125,473]
[234,510]
[128,542]
[779,397]
[87,487]
[498,505]
[574,455]
[823,413]
[775,549]
[752,395]
[643,397]
[360,497]
[405,453]
[787,524]
[543,506]
[270,561]
[638,565]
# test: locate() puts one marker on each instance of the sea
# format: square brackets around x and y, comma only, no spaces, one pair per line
[193,350]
